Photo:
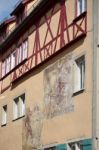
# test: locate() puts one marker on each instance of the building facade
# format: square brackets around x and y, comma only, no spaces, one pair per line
[46,80]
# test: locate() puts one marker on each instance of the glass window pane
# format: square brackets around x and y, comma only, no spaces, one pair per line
[3,68]
[25,48]
[13,59]
[8,64]
[4,115]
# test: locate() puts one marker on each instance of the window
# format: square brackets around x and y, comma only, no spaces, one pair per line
[50,148]
[22,52]
[8,64]
[13,59]
[4,115]
[19,107]
[25,48]
[19,54]
[3,68]
[79,74]
[81,6]
[74,146]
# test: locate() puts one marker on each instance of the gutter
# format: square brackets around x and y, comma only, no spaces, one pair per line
[94,73]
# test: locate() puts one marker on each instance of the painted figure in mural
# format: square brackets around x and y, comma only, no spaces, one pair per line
[58,87]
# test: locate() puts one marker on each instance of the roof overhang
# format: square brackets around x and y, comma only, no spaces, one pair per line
[19,6]
[37,13]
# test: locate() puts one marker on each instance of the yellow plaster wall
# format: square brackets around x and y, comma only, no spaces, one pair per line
[59,129]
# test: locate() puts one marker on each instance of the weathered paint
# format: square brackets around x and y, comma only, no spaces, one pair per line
[58,84]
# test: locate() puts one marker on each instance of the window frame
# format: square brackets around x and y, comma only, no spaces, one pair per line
[19,54]
[13,52]
[3,62]
[17,61]
[20,110]
[6,65]
[4,116]
[81,60]
[25,41]
[76,8]
[74,144]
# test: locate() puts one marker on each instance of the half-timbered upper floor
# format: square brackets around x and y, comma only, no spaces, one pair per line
[41,29]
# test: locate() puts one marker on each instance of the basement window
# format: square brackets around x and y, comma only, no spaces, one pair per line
[81,6]
[50,148]
[19,107]
[4,115]
[74,146]
[79,74]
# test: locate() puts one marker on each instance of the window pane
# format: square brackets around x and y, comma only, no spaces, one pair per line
[79,74]
[74,146]
[15,108]
[3,68]
[13,59]
[4,115]
[76,77]
[25,48]
[19,106]
[19,54]
[8,60]
[22,105]
[81,6]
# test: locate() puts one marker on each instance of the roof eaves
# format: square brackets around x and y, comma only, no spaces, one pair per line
[17,8]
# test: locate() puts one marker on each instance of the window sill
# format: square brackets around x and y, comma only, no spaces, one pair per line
[78,92]
[18,118]
[3,125]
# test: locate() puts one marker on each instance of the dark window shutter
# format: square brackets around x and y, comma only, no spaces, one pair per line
[61,147]
[87,144]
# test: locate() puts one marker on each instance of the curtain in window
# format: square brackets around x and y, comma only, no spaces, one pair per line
[4,115]
[81,6]
[19,54]
[15,109]
[25,48]
[13,59]
[8,64]
[3,68]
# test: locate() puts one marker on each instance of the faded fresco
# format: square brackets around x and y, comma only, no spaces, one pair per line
[32,127]
[58,87]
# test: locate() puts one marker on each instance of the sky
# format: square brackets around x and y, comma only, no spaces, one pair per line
[6,7]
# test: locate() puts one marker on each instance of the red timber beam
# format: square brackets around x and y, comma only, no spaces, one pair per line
[66,35]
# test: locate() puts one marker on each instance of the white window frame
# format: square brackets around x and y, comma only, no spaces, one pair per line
[13,59]
[81,6]
[25,49]
[3,68]
[19,54]
[8,64]
[19,107]
[4,115]
[79,74]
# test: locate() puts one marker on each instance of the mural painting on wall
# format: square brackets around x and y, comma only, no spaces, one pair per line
[32,126]
[58,87]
